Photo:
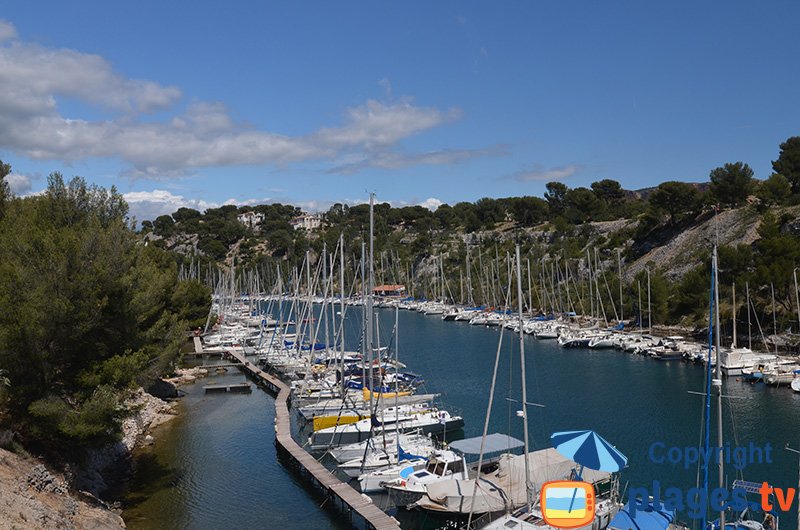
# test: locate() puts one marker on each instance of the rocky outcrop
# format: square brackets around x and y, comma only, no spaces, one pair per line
[104,465]
[31,496]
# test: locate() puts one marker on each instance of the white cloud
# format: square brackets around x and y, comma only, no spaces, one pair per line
[375,125]
[37,80]
[539,173]
[395,160]
[7,31]
[19,184]
[431,203]
[33,77]
[151,204]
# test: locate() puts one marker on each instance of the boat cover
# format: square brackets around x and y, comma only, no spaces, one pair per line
[647,518]
[504,488]
[495,443]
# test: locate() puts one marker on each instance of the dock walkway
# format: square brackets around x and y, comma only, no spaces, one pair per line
[373,516]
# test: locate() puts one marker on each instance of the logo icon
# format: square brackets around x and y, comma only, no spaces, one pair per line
[567,503]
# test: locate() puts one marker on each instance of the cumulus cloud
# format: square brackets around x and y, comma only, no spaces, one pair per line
[431,203]
[19,184]
[35,79]
[396,160]
[539,173]
[151,204]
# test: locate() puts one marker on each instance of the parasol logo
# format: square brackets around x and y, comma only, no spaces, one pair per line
[567,503]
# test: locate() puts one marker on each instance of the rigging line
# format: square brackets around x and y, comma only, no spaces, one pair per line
[735,437]
[489,409]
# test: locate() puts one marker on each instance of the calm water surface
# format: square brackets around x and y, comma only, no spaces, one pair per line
[216,467]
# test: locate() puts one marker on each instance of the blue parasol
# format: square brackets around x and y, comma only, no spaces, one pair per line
[589,449]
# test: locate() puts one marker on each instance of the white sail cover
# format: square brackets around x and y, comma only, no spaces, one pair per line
[504,488]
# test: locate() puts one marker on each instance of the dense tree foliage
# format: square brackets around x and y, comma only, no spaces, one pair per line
[88,311]
[788,162]
[676,199]
[774,191]
[731,184]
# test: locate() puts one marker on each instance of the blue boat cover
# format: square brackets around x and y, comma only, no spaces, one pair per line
[648,518]
[402,455]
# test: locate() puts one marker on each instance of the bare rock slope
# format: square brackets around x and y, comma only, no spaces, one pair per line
[31,496]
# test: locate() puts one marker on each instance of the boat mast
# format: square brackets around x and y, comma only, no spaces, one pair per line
[733,342]
[639,286]
[470,300]
[621,304]
[528,483]
[649,310]
[717,382]
[341,310]
[370,286]
[749,325]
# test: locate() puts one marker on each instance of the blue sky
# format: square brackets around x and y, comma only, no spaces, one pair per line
[201,103]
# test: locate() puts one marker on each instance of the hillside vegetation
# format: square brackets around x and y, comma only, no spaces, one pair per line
[89,313]
[665,233]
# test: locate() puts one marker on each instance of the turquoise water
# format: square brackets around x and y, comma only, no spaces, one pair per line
[223,454]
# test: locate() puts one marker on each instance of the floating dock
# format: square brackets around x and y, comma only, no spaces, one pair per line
[351,500]
[235,387]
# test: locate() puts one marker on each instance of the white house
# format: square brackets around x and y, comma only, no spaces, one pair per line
[250,219]
[309,222]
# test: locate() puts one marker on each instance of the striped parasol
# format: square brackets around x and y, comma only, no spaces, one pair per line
[589,449]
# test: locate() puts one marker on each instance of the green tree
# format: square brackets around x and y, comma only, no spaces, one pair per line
[583,205]
[5,170]
[788,162]
[164,226]
[775,190]
[529,211]
[556,196]
[731,184]
[185,214]
[659,295]
[675,198]
[94,312]
[608,190]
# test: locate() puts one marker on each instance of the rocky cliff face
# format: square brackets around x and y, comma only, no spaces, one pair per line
[107,463]
[31,496]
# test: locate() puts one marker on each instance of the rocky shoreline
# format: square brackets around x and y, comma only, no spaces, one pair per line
[34,496]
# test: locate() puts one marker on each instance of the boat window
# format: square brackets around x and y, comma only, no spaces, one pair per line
[421,474]
[439,468]
[431,467]
[456,467]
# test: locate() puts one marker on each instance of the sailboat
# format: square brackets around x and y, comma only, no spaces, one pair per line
[745,519]
[514,480]
[400,418]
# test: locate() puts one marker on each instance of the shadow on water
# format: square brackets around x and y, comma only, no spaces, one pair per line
[150,476]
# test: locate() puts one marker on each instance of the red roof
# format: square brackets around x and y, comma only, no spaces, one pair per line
[389,288]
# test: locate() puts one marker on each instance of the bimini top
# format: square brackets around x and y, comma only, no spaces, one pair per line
[495,443]
[647,518]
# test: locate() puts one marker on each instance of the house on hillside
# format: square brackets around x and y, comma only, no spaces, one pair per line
[251,219]
[307,221]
